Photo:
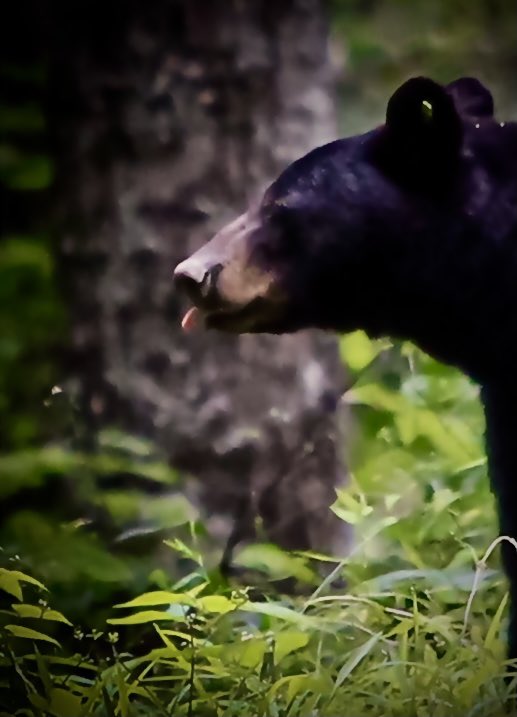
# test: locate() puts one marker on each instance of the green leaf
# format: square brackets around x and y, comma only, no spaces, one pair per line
[140,618]
[64,703]
[217,604]
[22,577]
[288,642]
[179,547]
[36,611]
[299,684]
[281,612]
[275,562]
[420,422]
[123,693]
[358,351]
[43,671]
[28,634]
[495,624]
[158,597]
[378,397]
[356,656]
[11,585]
[351,508]
[108,704]
[248,654]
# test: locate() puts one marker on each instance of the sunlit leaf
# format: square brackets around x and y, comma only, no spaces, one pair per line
[22,577]
[140,618]
[216,604]
[287,642]
[248,654]
[357,350]
[11,585]
[275,562]
[158,597]
[27,633]
[35,611]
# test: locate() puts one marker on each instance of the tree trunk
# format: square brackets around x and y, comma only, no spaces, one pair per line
[170,115]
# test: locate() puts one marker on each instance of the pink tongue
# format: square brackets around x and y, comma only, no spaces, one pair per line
[191,320]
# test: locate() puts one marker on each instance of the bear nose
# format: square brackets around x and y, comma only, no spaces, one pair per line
[198,282]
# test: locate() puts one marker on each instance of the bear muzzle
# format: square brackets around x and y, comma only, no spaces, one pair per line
[229,290]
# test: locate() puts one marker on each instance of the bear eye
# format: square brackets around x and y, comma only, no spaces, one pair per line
[286,218]
[291,231]
[278,240]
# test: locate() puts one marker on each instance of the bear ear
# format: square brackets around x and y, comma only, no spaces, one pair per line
[471,97]
[422,110]
[423,133]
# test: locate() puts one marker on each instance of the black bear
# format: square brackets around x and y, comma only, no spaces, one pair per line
[410,231]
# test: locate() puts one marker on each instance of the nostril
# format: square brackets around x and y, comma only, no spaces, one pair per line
[190,285]
[198,283]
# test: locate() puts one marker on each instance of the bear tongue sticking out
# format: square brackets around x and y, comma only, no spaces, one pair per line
[191,320]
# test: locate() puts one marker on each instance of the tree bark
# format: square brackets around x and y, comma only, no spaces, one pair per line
[170,116]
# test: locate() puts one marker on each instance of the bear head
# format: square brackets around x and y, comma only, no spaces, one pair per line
[409,230]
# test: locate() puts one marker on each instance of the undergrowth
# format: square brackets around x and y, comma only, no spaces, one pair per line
[200,651]
[419,628]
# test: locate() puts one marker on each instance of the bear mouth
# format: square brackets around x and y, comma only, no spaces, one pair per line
[241,320]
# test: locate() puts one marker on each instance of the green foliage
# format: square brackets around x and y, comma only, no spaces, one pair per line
[93,541]
[420,628]
[211,650]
